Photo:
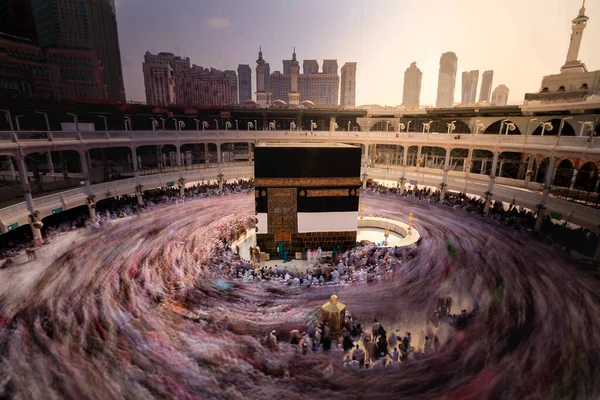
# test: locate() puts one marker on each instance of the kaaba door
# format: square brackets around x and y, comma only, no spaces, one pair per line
[282,213]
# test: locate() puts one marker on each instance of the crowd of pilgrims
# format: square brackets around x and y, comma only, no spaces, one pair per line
[582,240]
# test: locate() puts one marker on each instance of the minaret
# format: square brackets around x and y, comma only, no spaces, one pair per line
[261,94]
[294,96]
[579,23]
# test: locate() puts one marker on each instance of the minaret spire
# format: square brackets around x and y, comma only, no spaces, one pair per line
[577,27]
[294,54]
[582,10]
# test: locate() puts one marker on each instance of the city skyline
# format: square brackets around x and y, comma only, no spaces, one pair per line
[359,33]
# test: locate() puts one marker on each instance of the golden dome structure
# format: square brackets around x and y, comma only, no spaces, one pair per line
[334,314]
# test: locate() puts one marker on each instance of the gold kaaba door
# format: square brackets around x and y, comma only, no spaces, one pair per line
[282,213]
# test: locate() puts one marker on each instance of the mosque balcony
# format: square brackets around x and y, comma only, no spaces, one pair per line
[559,97]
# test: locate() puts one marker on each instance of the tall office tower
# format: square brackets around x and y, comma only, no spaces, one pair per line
[105,41]
[469,87]
[486,86]
[348,85]
[446,80]
[262,80]
[310,67]
[500,96]
[16,19]
[411,94]
[158,79]
[180,65]
[244,83]
[294,96]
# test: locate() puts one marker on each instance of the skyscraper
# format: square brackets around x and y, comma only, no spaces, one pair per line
[348,85]
[446,80]
[500,96]
[486,86]
[411,95]
[105,42]
[158,78]
[293,95]
[244,83]
[16,19]
[469,87]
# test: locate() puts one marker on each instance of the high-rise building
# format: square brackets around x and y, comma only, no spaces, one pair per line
[348,85]
[500,96]
[244,83]
[170,79]
[293,95]
[78,37]
[446,80]
[470,79]
[321,88]
[16,19]
[487,79]
[411,95]
[158,78]
[105,42]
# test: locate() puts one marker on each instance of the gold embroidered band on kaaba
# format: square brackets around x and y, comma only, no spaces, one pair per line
[327,192]
[314,182]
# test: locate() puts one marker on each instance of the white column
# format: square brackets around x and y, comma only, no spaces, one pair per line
[84,171]
[365,174]
[220,166]
[573,179]
[206,162]
[178,155]
[547,186]
[500,170]
[445,175]
[529,167]
[136,168]
[488,197]
[22,167]
[11,169]
[467,166]
[49,161]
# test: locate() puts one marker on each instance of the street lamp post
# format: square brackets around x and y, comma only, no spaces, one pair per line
[197,124]
[408,126]
[387,126]
[510,126]
[502,126]
[176,124]
[46,118]
[451,126]
[427,126]
[349,122]
[292,126]
[562,125]
[237,128]
[75,119]
[217,122]
[128,122]
[9,119]
[529,124]
[255,125]
[546,126]
[250,125]
[585,125]
[105,122]
[163,123]
[17,121]
[227,125]
[154,124]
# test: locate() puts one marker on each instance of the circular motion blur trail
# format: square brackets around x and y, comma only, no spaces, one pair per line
[135,313]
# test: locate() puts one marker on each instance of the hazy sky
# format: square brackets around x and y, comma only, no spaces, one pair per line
[521,40]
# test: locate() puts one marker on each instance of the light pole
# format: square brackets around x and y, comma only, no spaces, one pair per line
[292,126]
[128,122]
[237,127]
[217,122]
[312,124]
[105,123]
[250,125]
[501,126]
[528,124]
[585,125]
[227,125]
[451,126]
[154,123]
[9,119]
[387,126]
[562,125]
[204,124]
[546,126]
[176,124]
[255,125]
[408,126]
[181,125]
[510,126]
[75,120]
[46,118]
[400,127]
[427,126]
[349,122]
[163,123]
[17,121]
[197,124]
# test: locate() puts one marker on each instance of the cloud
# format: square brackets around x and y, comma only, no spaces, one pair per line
[218,23]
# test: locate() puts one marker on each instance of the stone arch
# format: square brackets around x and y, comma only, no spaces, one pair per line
[482,162]
[561,89]
[540,171]
[545,90]
[494,128]
[383,126]
[584,86]
[587,176]
[390,154]
[567,129]
[76,215]
[412,156]
[111,165]
[433,157]
[563,173]
[458,158]
[509,164]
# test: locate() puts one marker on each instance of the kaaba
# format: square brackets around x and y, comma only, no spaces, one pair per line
[307,196]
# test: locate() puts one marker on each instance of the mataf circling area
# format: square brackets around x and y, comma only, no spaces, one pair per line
[148,308]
